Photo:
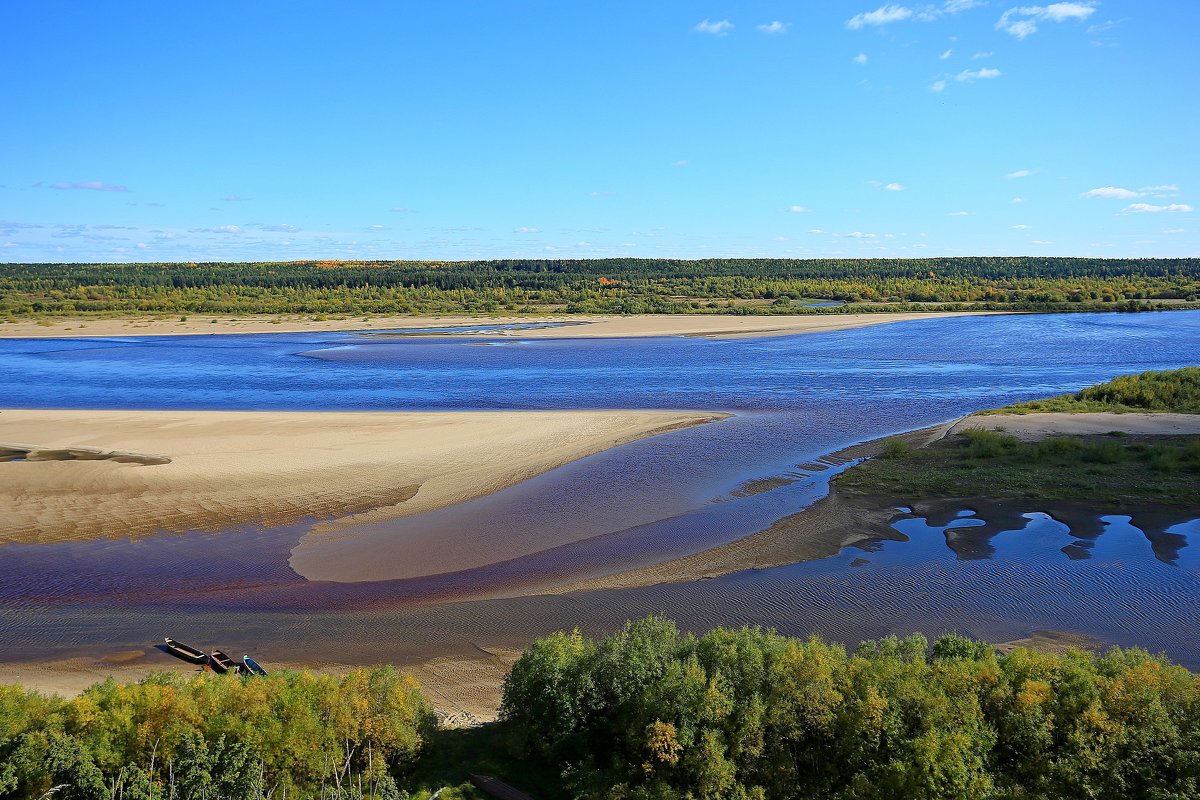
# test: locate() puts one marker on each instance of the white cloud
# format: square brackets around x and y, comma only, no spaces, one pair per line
[400,210]
[719,28]
[815,230]
[938,86]
[1023,20]
[798,209]
[283,227]
[376,228]
[959,214]
[1166,190]
[983,54]
[1174,230]
[860,235]
[774,27]
[527,230]
[966,76]
[1041,241]
[946,54]
[955,6]
[1022,227]
[1021,173]
[880,16]
[893,187]
[1147,208]
[1111,193]
[861,58]
[95,186]
[217,229]
[1018,200]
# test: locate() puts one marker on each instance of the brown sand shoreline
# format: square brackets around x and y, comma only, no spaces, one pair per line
[586,327]
[212,470]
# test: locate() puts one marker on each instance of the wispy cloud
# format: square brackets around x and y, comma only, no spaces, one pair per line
[967,75]
[1023,20]
[233,198]
[94,186]
[983,54]
[217,229]
[859,235]
[892,12]
[1016,200]
[774,27]
[721,27]
[883,15]
[527,230]
[375,228]
[683,162]
[1148,208]
[1022,227]
[1121,193]
[861,58]
[893,187]
[797,209]
[602,194]
[938,86]
[960,214]
[400,210]
[282,227]
[1174,230]
[1021,173]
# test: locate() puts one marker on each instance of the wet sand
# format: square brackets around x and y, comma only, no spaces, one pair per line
[1033,427]
[81,475]
[714,325]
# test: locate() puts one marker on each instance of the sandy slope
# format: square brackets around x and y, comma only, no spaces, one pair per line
[580,327]
[1031,427]
[178,471]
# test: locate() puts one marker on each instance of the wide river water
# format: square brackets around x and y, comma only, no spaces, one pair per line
[794,398]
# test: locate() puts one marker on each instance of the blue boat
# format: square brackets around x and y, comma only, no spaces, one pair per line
[252,666]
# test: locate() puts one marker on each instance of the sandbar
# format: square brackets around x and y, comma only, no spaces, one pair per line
[77,475]
[573,326]
[1034,427]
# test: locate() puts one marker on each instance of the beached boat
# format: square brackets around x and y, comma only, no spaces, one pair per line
[183,651]
[252,666]
[222,663]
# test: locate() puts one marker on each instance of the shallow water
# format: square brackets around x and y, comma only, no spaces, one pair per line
[795,398]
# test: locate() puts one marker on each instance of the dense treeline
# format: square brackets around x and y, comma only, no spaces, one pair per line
[653,713]
[210,737]
[1170,390]
[594,286]
[646,713]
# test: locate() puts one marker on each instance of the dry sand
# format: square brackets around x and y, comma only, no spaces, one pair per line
[715,325]
[1032,427]
[94,474]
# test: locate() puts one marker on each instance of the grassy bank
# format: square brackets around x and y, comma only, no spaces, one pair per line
[1173,390]
[1106,470]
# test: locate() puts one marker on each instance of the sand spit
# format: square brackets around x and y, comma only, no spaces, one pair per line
[132,473]
[1032,427]
[820,530]
[581,327]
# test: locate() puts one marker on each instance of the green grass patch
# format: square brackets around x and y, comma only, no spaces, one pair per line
[1175,390]
[1159,470]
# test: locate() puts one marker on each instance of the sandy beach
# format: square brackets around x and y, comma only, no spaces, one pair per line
[94,474]
[1032,427]
[715,325]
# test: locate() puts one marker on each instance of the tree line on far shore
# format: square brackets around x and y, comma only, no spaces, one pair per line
[649,712]
[610,286]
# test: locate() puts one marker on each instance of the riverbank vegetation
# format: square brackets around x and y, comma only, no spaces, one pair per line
[648,712]
[1102,470]
[1175,390]
[601,286]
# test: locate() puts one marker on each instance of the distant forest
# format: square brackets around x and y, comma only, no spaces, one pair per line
[601,286]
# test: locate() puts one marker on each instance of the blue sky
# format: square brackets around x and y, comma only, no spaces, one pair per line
[471,129]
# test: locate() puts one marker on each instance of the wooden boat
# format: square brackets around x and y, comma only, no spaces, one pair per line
[222,663]
[184,652]
[252,666]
